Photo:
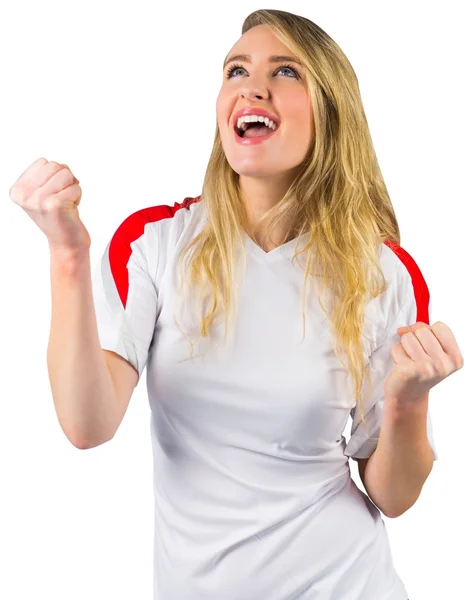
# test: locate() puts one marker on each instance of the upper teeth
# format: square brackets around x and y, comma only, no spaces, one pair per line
[253,118]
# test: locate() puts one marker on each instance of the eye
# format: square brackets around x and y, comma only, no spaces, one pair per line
[234,67]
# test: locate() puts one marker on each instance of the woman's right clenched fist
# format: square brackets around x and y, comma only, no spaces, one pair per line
[50,194]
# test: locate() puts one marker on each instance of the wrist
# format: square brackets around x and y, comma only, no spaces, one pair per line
[69,257]
[397,408]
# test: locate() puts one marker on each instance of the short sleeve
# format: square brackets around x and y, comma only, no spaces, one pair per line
[125,297]
[364,437]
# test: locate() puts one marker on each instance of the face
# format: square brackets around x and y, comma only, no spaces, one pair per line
[280,90]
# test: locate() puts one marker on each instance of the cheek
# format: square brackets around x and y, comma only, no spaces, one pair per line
[223,109]
[304,113]
[298,107]
[308,116]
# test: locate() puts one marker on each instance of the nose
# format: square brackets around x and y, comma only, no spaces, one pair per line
[253,92]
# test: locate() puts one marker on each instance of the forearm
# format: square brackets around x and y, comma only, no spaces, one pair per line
[82,388]
[398,468]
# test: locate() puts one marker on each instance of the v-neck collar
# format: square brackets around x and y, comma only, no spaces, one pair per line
[281,251]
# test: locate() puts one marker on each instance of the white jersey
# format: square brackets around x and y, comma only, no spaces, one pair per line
[253,493]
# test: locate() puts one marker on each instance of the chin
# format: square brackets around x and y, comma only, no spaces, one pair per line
[251,171]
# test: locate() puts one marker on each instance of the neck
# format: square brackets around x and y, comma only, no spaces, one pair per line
[261,194]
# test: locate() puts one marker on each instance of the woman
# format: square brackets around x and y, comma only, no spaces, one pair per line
[253,493]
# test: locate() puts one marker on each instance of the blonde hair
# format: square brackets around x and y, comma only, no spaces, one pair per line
[338,197]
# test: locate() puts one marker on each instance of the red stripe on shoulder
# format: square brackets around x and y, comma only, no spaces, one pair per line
[421,291]
[130,230]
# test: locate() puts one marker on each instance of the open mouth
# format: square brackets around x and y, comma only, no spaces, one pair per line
[258,129]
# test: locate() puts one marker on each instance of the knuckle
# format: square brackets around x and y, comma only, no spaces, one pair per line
[441,325]
[14,193]
[39,203]
[441,368]
[433,368]
[27,191]
[50,203]
[459,361]
[22,195]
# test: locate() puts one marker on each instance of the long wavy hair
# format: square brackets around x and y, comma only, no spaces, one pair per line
[338,197]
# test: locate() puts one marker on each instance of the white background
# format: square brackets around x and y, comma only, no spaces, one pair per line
[124,93]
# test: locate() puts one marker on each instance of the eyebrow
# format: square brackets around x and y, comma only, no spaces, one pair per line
[271,59]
